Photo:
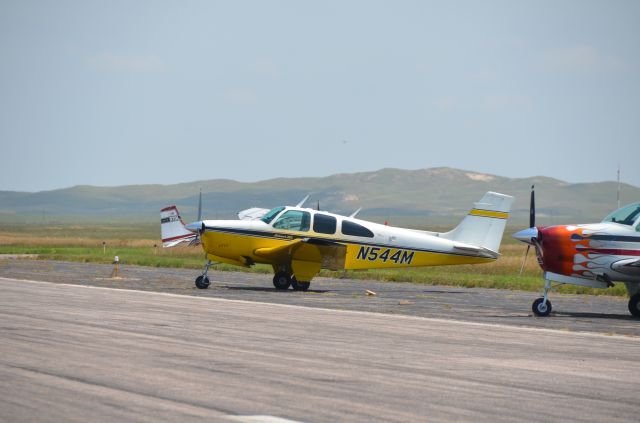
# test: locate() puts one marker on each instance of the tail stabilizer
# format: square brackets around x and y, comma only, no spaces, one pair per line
[484,225]
[172,228]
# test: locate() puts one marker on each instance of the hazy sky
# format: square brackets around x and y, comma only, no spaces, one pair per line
[124,92]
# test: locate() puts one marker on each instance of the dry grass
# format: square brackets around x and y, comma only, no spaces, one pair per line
[29,240]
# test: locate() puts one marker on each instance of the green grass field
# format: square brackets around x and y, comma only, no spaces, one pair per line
[139,244]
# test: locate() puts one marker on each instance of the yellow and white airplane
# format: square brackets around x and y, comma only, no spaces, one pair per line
[297,242]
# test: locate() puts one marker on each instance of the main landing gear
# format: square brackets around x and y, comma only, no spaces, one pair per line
[202,281]
[634,305]
[542,306]
[283,280]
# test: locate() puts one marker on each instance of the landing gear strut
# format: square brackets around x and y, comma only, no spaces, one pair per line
[542,306]
[202,281]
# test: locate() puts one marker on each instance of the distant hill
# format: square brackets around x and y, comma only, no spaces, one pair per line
[436,194]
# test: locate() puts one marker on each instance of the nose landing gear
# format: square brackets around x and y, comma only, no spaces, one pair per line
[542,306]
[202,281]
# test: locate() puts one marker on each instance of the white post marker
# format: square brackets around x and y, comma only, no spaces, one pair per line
[116,268]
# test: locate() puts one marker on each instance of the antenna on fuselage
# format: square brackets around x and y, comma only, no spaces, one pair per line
[618,196]
[355,212]
[302,202]
[318,208]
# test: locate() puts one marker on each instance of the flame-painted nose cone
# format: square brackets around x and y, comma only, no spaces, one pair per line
[525,235]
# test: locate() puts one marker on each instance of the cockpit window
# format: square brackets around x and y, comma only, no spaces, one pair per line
[267,218]
[294,220]
[627,215]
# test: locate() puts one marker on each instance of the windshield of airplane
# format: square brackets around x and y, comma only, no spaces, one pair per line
[267,218]
[294,220]
[626,215]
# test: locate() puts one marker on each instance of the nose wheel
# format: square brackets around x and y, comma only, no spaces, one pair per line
[202,281]
[542,306]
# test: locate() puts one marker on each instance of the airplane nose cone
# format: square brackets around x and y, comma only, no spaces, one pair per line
[525,235]
[194,227]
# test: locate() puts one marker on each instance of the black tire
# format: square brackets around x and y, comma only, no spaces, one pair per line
[299,286]
[282,280]
[540,308]
[634,305]
[202,282]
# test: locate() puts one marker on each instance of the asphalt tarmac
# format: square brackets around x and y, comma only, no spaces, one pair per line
[77,353]
[576,313]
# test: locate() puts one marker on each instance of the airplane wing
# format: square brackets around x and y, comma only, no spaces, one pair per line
[628,266]
[252,213]
[330,254]
[280,254]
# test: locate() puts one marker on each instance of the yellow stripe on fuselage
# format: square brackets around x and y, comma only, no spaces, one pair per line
[489,213]
[386,257]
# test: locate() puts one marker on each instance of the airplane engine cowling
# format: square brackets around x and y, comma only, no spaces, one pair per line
[558,249]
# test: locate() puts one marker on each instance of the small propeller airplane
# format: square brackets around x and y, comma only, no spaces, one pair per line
[594,255]
[297,242]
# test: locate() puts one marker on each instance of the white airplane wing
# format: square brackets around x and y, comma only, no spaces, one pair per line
[627,266]
[252,213]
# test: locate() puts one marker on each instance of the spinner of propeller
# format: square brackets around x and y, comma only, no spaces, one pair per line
[531,235]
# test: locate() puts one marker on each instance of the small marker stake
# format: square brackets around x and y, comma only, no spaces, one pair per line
[116,268]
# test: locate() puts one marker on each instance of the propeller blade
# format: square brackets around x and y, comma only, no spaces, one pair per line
[532,208]
[200,206]
[525,259]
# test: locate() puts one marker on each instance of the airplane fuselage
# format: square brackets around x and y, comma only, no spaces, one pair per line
[591,250]
[298,242]
[379,246]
